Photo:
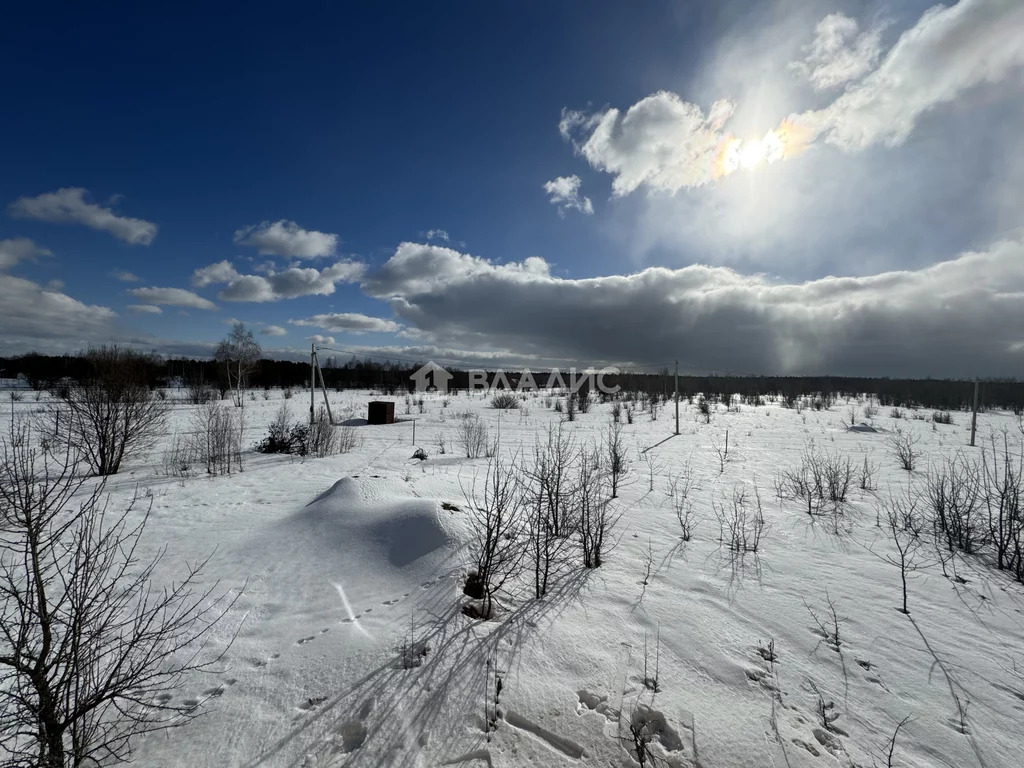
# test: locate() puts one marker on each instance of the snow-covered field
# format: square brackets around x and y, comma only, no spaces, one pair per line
[336,558]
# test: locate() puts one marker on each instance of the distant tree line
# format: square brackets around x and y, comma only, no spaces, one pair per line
[47,371]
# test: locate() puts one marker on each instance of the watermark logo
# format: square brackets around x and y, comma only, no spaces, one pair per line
[433,378]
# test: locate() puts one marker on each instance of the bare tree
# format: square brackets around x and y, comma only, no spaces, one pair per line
[902,522]
[239,352]
[596,519]
[497,529]
[615,458]
[548,496]
[110,413]
[86,641]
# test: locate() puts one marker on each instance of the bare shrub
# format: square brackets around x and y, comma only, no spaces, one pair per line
[821,483]
[87,641]
[1003,484]
[548,496]
[110,413]
[348,438]
[904,448]
[615,459]
[679,487]
[198,393]
[570,407]
[505,401]
[596,519]
[473,436]
[181,459]
[616,412]
[942,417]
[740,519]
[953,489]
[217,433]
[497,532]
[868,473]
[323,435]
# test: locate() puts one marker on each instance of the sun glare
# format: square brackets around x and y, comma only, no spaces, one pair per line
[748,154]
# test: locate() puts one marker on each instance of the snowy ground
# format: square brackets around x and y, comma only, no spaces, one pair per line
[336,557]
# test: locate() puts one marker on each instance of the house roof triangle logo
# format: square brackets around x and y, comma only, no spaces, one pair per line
[431,378]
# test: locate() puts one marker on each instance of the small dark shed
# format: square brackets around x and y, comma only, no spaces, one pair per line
[381,412]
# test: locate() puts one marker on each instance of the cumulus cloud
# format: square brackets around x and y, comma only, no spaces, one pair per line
[316,338]
[172,297]
[961,317]
[221,272]
[36,318]
[840,52]
[352,322]
[145,309]
[286,238]
[664,143]
[273,330]
[274,286]
[68,206]
[417,268]
[661,142]
[949,50]
[124,276]
[564,192]
[19,249]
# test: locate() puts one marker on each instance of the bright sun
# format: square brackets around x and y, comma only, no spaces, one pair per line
[749,154]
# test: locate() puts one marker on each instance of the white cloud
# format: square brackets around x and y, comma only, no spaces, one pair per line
[664,143]
[960,317]
[352,322]
[316,338]
[436,234]
[564,192]
[274,286]
[124,276]
[145,309]
[34,318]
[418,268]
[172,297]
[661,142]
[68,206]
[286,238]
[19,249]
[221,272]
[949,50]
[273,330]
[839,54]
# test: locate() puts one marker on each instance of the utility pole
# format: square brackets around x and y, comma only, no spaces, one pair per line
[974,415]
[312,380]
[677,397]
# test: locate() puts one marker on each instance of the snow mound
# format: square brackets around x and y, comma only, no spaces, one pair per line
[862,427]
[366,516]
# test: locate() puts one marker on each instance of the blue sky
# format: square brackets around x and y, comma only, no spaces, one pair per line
[521,182]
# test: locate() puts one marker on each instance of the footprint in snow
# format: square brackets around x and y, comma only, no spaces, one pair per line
[304,640]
